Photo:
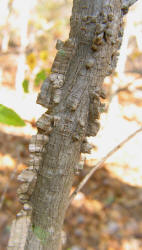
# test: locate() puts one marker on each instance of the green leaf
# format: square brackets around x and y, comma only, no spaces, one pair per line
[40,77]
[25,85]
[10,117]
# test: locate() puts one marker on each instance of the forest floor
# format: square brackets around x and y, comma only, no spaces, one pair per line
[106,214]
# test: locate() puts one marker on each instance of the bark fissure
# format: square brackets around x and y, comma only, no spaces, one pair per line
[72,96]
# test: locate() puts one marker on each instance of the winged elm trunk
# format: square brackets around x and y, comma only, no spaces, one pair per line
[72,95]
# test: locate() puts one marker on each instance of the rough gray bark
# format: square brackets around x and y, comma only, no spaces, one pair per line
[72,96]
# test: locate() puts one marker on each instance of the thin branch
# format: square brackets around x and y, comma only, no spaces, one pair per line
[134,71]
[126,88]
[16,51]
[32,123]
[100,164]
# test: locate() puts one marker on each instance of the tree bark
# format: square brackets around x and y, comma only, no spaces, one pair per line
[72,96]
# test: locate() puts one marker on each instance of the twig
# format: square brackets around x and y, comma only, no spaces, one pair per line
[126,88]
[32,123]
[16,51]
[134,71]
[100,164]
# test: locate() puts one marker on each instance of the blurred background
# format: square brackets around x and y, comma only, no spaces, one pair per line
[106,214]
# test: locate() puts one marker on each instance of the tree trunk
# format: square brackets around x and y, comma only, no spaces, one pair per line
[72,96]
